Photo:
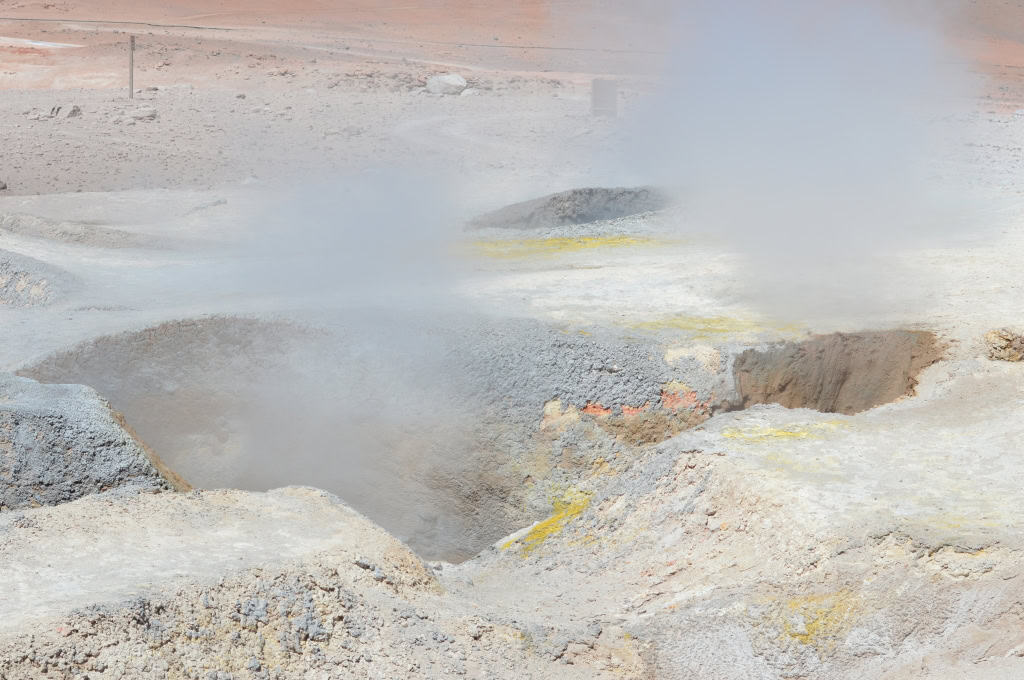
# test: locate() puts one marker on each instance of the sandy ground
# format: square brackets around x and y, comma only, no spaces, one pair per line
[764,543]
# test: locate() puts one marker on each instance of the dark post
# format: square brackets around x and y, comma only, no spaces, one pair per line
[131,67]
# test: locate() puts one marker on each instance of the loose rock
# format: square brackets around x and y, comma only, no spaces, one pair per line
[1005,344]
[59,443]
[144,114]
[449,83]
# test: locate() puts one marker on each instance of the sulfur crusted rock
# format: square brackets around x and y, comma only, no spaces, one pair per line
[1005,344]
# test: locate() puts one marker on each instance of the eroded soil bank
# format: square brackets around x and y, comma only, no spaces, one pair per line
[838,373]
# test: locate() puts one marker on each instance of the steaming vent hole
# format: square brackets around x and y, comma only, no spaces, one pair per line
[378,410]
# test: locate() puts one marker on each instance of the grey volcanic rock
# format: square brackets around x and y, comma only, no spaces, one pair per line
[575,206]
[62,442]
[26,282]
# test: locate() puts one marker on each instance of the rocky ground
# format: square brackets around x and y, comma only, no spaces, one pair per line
[558,435]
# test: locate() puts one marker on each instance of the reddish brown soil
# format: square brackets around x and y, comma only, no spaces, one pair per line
[578,36]
[530,36]
[838,373]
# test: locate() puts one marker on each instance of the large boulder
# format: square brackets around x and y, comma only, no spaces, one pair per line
[59,443]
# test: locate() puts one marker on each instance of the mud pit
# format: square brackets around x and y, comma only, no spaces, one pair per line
[254,404]
[449,431]
[839,373]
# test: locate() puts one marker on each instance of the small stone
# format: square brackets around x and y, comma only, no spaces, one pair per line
[144,114]
[1005,344]
[449,83]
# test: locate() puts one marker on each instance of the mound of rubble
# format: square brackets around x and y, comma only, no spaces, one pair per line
[575,206]
[59,443]
[71,232]
[228,584]
[25,282]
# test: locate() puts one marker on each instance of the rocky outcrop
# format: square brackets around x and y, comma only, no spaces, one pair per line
[62,442]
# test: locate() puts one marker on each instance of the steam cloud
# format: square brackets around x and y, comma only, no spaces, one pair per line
[380,237]
[812,137]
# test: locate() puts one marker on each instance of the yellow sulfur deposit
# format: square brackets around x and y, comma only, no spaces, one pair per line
[529,247]
[707,327]
[819,620]
[565,508]
[761,434]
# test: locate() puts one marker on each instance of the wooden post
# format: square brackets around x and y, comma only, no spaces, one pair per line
[131,67]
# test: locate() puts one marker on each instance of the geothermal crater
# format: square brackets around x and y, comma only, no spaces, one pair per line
[450,432]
